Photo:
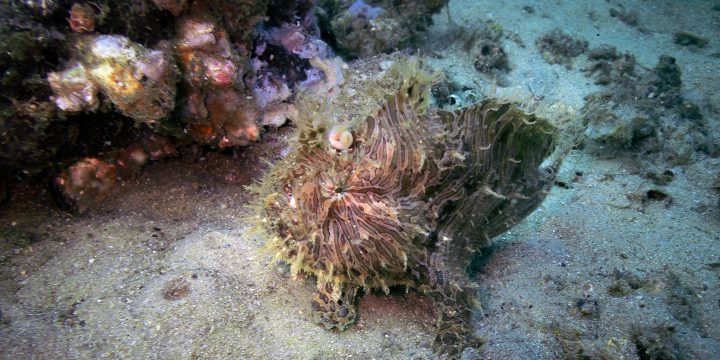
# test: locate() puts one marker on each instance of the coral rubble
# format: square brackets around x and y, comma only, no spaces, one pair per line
[491,57]
[656,118]
[610,67]
[557,47]
[361,28]
[89,181]
[486,45]
[140,82]
[232,77]
[215,106]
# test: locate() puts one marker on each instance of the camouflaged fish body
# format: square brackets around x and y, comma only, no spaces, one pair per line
[406,199]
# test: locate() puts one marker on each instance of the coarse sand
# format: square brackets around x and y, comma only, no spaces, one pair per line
[613,265]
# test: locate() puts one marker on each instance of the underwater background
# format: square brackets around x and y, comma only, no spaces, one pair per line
[133,130]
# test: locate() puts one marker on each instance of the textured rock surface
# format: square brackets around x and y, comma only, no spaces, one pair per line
[362,29]
[140,82]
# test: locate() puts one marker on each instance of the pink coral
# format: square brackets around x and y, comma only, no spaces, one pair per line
[220,72]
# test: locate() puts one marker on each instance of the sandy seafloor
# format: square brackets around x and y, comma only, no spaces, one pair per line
[166,269]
